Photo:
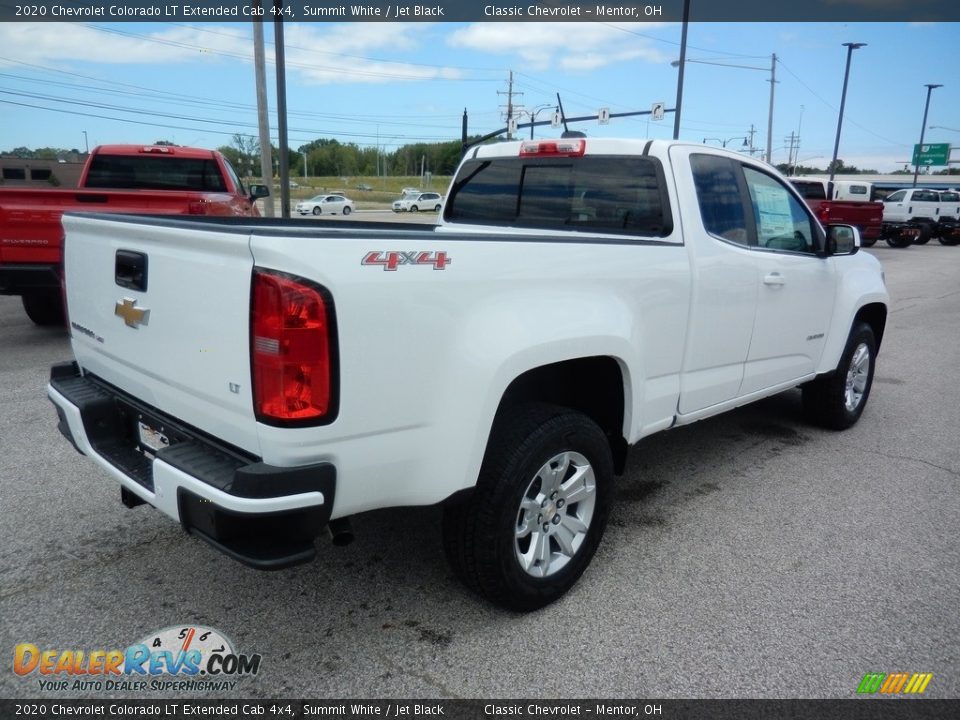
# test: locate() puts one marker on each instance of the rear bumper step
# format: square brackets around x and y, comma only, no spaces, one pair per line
[264,516]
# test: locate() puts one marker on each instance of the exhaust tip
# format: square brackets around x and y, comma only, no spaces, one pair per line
[341,532]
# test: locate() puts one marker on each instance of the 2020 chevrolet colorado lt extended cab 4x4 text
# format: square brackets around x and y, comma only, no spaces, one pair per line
[260,380]
[151,179]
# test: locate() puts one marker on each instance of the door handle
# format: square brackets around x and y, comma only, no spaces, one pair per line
[774,278]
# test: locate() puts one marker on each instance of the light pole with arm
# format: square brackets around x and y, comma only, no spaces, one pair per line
[916,167]
[843,99]
[773,81]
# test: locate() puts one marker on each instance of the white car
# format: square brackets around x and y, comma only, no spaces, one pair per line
[325,205]
[421,201]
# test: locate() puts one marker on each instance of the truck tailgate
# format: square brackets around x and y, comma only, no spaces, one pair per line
[162,312]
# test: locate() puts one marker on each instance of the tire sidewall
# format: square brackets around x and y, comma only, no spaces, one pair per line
[861,334]
[569,432]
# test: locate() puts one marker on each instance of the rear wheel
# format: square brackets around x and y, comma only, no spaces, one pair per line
[836,401]
[898,241]
[926,232]
[946,240]
[44,307]
[536,517]
[346,210]
[437,208]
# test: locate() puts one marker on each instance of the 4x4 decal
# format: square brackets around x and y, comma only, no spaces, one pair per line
[392,259]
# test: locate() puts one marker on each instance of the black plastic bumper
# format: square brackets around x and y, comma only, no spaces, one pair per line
[264,540]
[18,279]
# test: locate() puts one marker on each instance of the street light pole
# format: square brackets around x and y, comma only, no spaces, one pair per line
[86,142]
[916,168]
[843,99]
[683,62]
[773,81]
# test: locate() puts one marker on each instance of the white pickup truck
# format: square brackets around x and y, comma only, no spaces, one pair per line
[260,380]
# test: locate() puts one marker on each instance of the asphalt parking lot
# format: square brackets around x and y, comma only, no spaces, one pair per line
[749,555]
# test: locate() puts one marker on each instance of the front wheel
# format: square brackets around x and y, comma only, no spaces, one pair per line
[316,210]
[836,401]
[346,210]
[436,208]
[414,208]
[536,517]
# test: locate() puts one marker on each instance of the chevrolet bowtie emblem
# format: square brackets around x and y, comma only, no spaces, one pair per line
[133,316]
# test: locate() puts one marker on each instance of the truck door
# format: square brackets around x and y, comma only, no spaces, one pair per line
[724,294]
[796,287]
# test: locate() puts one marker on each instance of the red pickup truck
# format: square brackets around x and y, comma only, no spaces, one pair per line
[152,180]
[867,217]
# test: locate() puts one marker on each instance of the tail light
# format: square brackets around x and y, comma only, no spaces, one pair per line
[823,214]
[293,350]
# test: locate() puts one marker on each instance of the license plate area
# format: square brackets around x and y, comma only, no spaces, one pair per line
[152,435]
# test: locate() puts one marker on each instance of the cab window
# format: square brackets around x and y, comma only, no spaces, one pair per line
[719,197]
[782,223]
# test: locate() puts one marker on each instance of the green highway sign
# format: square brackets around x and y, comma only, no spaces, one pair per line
[938,154]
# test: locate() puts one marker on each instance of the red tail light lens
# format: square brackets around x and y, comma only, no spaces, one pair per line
[292,350]
[823,214]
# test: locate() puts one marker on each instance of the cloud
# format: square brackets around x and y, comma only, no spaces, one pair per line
[320,54]
[341,53]
[43,43]
[568,46]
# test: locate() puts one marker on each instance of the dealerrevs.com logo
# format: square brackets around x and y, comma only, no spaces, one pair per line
[177,658]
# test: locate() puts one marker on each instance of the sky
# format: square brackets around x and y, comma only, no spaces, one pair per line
[388,84]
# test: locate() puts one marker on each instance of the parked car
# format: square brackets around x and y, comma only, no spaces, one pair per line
[420,201]
[325,205]
[910,216]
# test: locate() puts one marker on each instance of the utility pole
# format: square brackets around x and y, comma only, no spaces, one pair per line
[773,85]
[752,133]
[794,141]
[509,93]
[263,118]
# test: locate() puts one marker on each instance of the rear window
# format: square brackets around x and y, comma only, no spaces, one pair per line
[155,172]
[810,190]
[949,197]
[593,193]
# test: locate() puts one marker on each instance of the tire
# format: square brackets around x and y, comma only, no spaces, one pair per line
[836,401]
[346,210]
[492,540]
[44,307]
[898,242]
[867,242]
[414,208]
[926,232]
[436,209]
[949,241]
[316,210]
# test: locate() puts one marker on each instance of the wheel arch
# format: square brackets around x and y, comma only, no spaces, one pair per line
[593,385]
[874,315]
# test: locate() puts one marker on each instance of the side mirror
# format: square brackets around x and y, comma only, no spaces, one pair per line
[259,191]
[842,240]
